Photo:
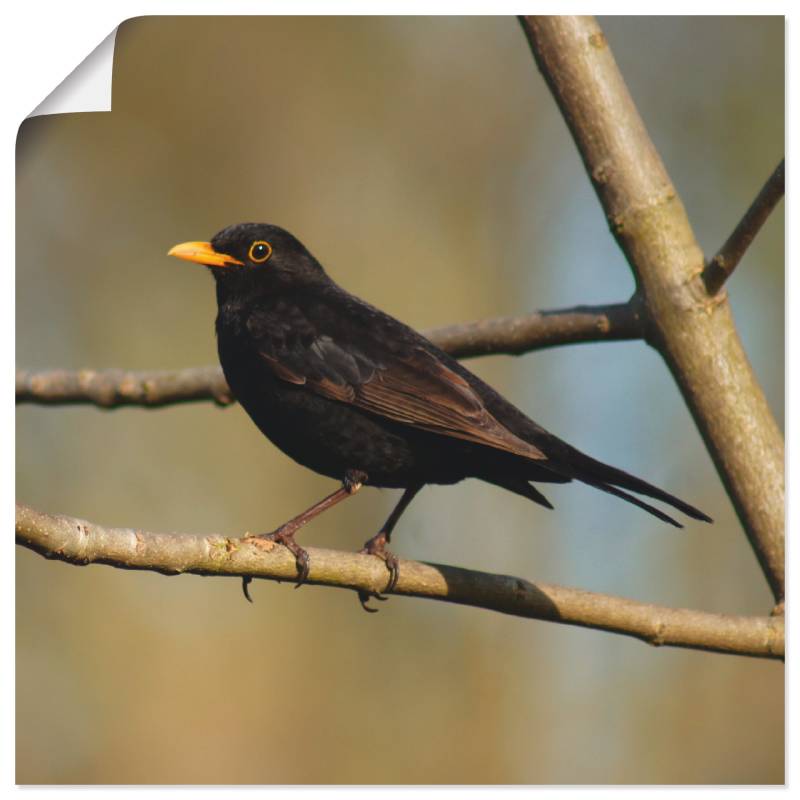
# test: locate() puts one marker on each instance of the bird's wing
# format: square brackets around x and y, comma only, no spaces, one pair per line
[413,387]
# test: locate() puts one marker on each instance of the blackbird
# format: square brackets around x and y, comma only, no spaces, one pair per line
[352,393]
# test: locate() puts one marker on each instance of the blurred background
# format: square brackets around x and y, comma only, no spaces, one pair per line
[425,164]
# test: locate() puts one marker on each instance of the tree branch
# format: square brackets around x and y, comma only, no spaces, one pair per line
[541,329]
[720,268]
[112,388]
[79,542]
[695,334]
[510,335]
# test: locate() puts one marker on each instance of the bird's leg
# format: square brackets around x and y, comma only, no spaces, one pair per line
[376,546]
[353,481]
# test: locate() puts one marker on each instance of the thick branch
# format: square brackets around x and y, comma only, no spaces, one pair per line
[720,268]
[694,333]
[79,542]
[510,335]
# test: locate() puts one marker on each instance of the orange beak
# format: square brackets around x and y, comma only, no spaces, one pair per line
[203,253]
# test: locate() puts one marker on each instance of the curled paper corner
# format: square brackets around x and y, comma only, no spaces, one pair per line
[87,87]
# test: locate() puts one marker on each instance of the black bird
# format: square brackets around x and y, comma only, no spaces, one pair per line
[352,393]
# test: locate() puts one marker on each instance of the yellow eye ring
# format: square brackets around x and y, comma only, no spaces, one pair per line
[259,252]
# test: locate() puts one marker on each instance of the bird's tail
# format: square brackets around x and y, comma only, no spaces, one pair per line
[569,461]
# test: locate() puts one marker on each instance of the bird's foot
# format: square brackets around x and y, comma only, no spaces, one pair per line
[376,546]
[285,536]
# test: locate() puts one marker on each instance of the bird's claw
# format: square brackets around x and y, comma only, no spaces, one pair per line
[286,538]
[376,546]
[365,596]
[301,559]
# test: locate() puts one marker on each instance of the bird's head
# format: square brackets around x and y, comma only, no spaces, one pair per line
[254,255]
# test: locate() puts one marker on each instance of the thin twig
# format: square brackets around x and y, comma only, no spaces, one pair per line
[720,268]
[79,542]
[509,335]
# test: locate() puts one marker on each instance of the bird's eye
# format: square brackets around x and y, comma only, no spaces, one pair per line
[259,252]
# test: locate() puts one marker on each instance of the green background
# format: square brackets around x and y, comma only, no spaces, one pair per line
[425,164]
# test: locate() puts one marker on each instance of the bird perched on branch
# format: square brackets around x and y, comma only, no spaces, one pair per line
[352,393]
